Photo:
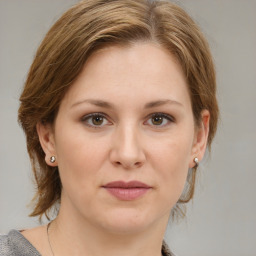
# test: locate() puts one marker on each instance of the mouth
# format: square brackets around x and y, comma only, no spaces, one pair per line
[127,191]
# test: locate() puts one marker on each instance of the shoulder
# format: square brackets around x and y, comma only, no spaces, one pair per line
[5,246]
[15,244]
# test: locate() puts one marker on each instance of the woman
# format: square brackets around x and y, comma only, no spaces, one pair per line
[118,109]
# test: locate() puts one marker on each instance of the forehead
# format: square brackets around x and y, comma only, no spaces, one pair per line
[138,57]
[143,70]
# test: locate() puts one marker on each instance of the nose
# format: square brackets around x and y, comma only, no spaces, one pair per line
[126,149]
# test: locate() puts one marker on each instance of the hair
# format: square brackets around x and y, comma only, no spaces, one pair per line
[87,27]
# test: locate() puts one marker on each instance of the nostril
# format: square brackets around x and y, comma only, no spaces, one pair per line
[137,164]
[128,166]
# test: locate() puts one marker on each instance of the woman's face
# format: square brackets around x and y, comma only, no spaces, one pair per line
[124,139]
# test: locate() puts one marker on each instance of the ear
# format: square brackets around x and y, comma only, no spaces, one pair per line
[200,139]
[46,138]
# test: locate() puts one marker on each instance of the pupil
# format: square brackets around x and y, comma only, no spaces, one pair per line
[157,120]
[97,120]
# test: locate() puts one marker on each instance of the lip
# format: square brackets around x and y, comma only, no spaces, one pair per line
[127,191]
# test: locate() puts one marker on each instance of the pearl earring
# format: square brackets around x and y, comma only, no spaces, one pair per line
[196,161]
[52,159]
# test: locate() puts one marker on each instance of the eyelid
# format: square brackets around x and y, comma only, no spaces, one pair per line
[167,116]
[90,115]
[170,118]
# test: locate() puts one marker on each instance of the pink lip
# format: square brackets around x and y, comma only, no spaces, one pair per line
[127,191]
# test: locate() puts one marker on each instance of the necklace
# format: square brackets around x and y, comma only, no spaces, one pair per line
[47,229]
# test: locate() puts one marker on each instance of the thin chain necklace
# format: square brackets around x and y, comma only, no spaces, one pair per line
[47,229]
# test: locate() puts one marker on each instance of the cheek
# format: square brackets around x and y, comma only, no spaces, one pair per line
[171,158]
[79,158]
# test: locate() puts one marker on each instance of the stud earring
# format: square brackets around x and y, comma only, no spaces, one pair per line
[52,159]
[196,161]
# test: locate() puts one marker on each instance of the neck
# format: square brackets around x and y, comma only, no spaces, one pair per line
[75,237]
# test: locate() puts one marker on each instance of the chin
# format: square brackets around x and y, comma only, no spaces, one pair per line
[127,221]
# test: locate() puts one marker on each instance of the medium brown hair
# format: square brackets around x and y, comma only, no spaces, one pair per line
[87,27]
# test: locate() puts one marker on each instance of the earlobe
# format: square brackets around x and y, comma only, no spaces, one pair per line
[201,137]
[46,138]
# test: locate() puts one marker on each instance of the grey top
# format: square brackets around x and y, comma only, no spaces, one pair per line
[15,244]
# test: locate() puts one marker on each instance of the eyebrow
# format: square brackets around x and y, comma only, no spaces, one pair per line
[158,103]
[105,104]
[99,103]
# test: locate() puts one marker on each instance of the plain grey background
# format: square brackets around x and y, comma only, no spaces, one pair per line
[221,220]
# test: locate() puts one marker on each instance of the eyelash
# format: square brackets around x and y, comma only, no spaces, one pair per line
[86,119]
[168,118]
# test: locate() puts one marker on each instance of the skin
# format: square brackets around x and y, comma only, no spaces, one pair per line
[128,86]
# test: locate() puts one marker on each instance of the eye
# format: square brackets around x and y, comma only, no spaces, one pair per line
[159,119]
[95,120]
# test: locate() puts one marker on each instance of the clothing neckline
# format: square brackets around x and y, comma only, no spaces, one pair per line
[18,241]
[16,235]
